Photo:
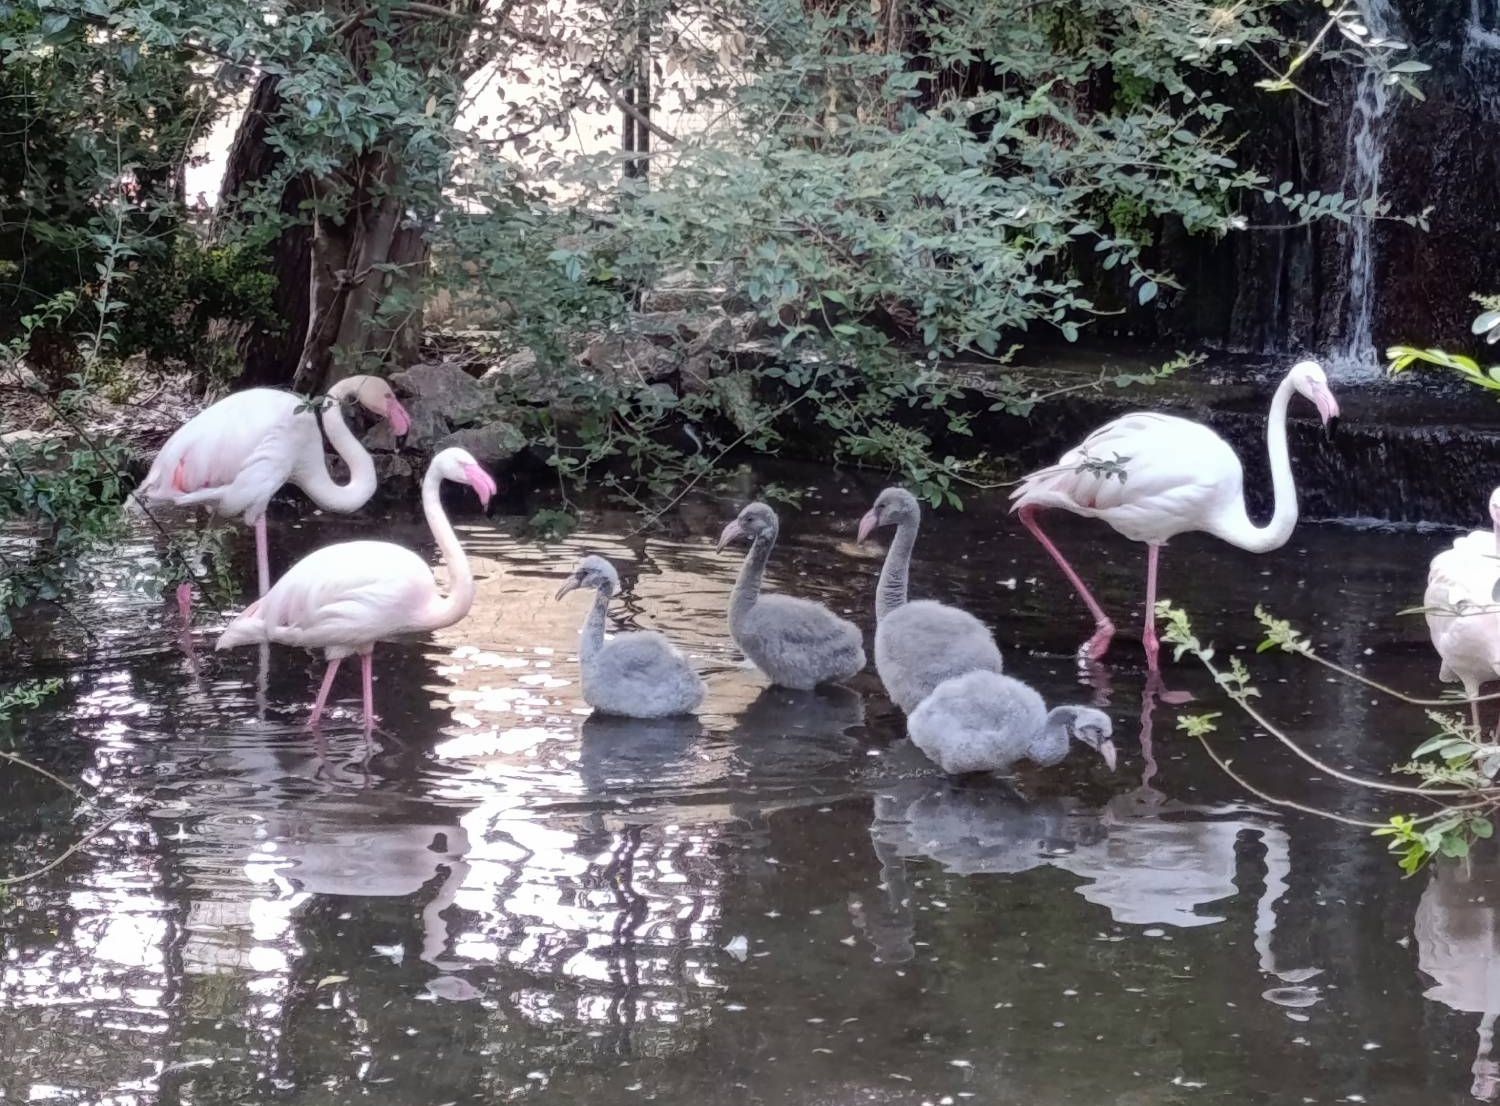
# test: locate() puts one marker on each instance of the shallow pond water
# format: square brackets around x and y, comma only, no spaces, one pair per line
[778,902]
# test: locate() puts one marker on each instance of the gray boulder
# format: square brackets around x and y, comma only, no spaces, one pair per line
[491,444]
[446,387]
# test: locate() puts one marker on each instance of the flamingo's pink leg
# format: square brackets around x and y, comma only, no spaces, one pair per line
[366,662]
[185,604]
[322,699]
[1104,629]
[1148,635]
[262,556]
[1470,691]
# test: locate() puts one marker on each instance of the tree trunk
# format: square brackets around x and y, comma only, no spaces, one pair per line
[270,356]
[334,278]
[353,270]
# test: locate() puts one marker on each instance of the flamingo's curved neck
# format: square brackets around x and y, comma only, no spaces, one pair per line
[591,637]
[446,611]
[891,592]
[1236,528]
[320,486]
[1050,744]
[747,587]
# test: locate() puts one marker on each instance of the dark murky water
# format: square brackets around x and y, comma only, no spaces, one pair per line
[776,903]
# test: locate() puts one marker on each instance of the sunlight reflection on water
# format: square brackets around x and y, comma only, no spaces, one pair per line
[510,898]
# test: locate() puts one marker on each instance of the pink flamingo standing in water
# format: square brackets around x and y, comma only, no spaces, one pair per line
[235,455]
[1467,641]
[1152,477]
[344,598]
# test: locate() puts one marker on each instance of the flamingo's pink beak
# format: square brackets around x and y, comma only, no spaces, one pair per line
[730,533]
[396,415]
[482,482]
[1328,407]
[867,524]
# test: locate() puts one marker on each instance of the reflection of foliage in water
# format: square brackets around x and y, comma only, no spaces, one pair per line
[1457,766]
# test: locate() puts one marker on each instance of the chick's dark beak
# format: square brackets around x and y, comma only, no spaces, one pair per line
[729,534]
[572,583]
[1107,751]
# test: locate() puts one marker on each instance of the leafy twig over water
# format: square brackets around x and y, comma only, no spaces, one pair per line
[1457,767]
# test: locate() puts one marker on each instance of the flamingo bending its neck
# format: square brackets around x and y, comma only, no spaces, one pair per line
[344,598]
[1153,476]
[235,455]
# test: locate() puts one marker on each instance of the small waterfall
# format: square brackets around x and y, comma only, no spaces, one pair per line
[1481,54]
[1356,357]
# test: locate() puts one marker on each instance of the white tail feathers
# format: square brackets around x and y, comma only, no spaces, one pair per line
[248,629]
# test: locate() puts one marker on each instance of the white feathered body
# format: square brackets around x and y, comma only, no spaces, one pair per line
[640,675]
[342,599]
[982,722]
[1467,645]
[233,456]
[1178,475]
[798,643]
[920,644]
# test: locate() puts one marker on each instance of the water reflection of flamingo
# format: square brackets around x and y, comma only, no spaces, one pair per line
[1153,476]
[1458,945]
[1148,859]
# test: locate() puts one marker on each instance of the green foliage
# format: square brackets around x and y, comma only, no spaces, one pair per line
[876,209]
[175,299]
[95,131]
[1416,841]
[1457,767]
[1486,324]
[1280,634]
[551,525]
[26,695]
[68,499]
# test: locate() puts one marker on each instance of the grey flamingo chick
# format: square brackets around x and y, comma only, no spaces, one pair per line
[984,722]
[797,643]
[637,675]
[918,644]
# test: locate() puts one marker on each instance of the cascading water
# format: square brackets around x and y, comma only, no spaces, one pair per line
[1356,356]
[1481,53]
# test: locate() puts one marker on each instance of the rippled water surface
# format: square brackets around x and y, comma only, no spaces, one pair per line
[778,902]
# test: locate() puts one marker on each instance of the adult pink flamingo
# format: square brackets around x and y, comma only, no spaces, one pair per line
[236,454]
[344,598]
[1467,643]
[1152,477]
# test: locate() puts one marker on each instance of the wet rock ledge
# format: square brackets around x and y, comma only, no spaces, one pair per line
[1420,449]
[1417,449]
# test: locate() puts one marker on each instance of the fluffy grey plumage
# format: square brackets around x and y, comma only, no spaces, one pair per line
[918,645]
[637,675]
[797,643]
[984,722]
